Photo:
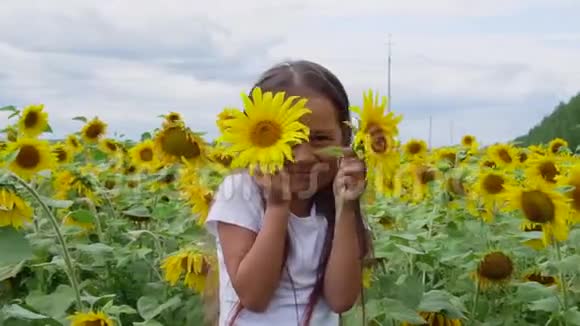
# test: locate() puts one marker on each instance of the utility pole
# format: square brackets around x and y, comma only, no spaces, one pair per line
[451,132]
[389,77]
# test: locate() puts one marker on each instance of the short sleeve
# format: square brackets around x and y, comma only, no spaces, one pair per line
[237,201]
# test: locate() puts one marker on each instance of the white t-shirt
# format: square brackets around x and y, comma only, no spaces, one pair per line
[238,202]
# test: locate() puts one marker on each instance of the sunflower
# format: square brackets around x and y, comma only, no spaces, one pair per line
[263,137]
[545,280]
[415,149]
[544,168]
[224,116]
[91,319]
[110,146]
[192,263]
[176,143]
[93,130]
[73,143]
[523,155]
[11,134]
[489,188]
[504,155]
[62,153]
[495,268]
[423,175]
[470,143]
[33,121]
[447,156]
[13,209]
[537,150]
[436,319]
[573,180]
[541,204]
[143,155]
[373,118]
[381,156]
[367,275]
[199,198]
[557,144]
[33,156]
[172,118]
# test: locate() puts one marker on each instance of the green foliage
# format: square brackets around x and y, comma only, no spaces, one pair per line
[563,122]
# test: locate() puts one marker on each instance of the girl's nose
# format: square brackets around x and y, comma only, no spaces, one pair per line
[303,153]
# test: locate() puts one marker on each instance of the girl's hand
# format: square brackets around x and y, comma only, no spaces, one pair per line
[349,183]
[276,187]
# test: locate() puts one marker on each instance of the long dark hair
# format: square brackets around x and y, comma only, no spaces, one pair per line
[319,80]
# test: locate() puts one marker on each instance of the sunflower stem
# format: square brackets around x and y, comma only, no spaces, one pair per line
[561,274]
[475,303]
[70,271]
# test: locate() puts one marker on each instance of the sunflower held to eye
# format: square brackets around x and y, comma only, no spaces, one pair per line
[33,121]
[263,137]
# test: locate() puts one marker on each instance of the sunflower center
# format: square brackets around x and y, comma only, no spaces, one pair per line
[74,142]
[28,157]
[468,140]
[456,186]
[177,142]
[556,147]
[414,148]
[61,154]
[265,133]
[575,196]
[111,146]
[504,155]
[99,322]
[537,206]
[495,266]
[94,131]
[544,280]
[31,119]
[493,184]
[146,154]
[426,175]
[523,157]
[131,169]
[489,164]
[548,171]
[451,157]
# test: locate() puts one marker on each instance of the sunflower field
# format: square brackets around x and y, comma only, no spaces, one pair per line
[102,230]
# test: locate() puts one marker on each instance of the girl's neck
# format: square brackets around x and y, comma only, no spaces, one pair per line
[301,207]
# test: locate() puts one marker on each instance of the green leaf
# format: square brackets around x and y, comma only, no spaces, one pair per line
[13,114]
[56,203]
[530,291]
[409,249]
[8,108]
[149,307]
[437,301]
[97,248]
[14,247]
[82,216]
[550,304]
[48,129]
[19,312]
[396,310]
[54,304]
[569,264]
[335,151]
[80,118]
[406,236]
[145,136]
[572,316]
[139,211]
[9,271]
[151,322]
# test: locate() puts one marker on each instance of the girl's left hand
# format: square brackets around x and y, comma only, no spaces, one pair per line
[349,183]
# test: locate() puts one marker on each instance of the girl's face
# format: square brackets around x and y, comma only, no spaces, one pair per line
[311,170]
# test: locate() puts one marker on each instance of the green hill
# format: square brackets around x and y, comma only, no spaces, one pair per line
[563,122]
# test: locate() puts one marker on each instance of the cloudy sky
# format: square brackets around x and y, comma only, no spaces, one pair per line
[491,68]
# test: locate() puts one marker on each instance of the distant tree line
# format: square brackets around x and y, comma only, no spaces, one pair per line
[564,122]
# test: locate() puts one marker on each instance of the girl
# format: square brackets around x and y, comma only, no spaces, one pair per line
[291,245]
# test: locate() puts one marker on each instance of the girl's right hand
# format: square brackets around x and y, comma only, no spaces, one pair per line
[276,187]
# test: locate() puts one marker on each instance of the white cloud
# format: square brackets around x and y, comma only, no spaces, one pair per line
[129,65]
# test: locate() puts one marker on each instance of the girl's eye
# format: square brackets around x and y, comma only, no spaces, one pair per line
[318,139]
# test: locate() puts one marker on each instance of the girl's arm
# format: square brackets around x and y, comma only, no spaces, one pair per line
[254,261]
[342,278]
